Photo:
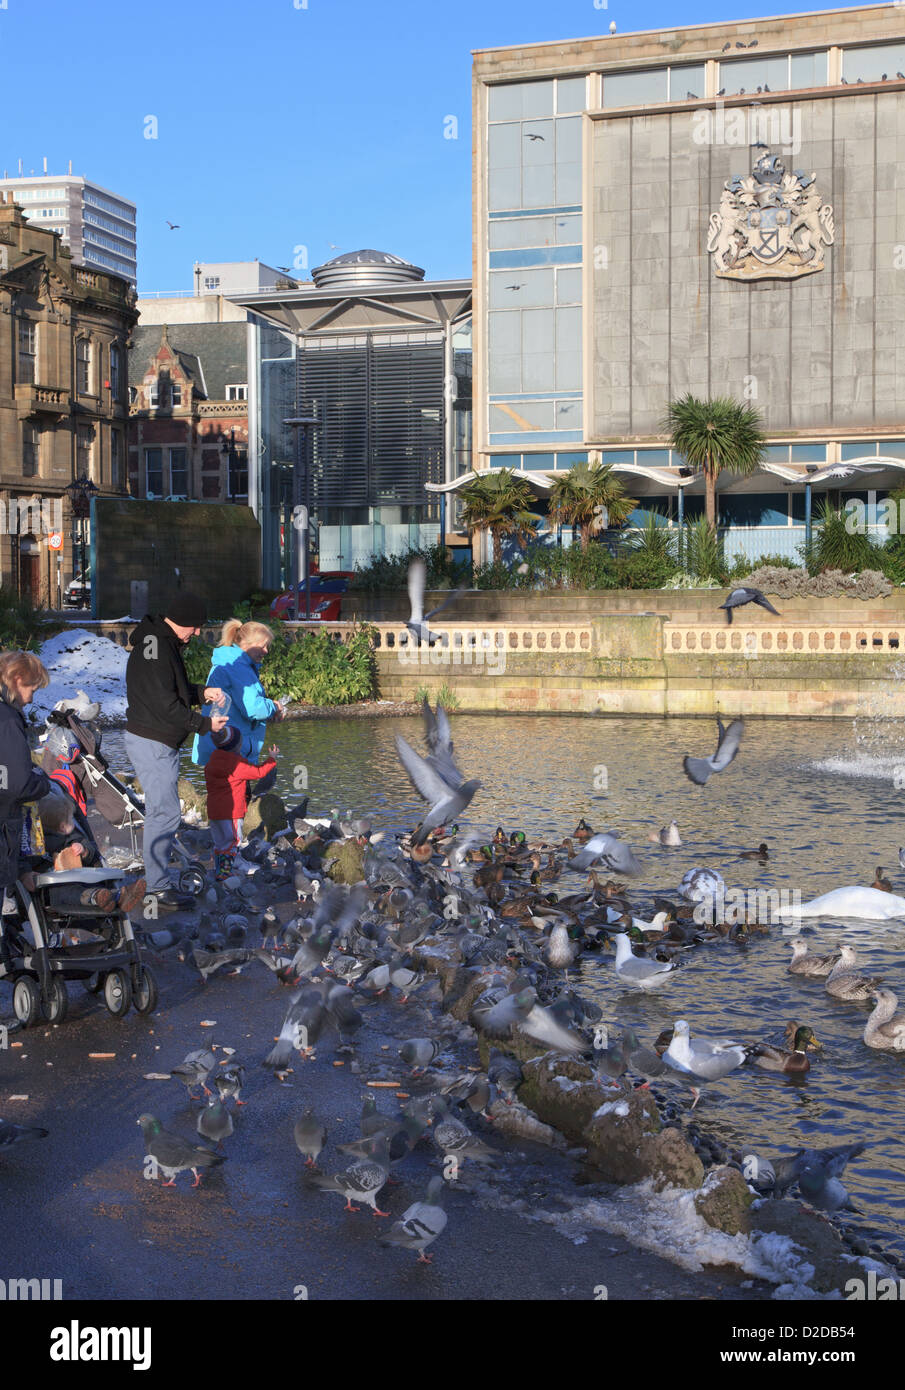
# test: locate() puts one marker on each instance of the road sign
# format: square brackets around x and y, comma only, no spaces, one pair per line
[55,540]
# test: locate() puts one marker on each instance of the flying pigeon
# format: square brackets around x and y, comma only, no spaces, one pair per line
[700,770]
[614,853]
[173,1154]
[14,1134]
[440,783]
[739,597]
[418,620]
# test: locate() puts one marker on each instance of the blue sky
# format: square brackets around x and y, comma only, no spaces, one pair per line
[280,128]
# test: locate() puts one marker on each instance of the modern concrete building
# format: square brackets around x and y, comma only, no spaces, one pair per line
[717,210]
[63,399]
[97,225]
[378,361]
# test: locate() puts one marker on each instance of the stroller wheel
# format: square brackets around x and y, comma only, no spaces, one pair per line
[55,1003]
[144,990]
[192,880]
[117,993]
[94,983]
[26,1000]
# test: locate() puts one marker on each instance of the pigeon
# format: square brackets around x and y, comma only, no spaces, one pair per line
[640,1058]
[505,1073]
[310,1136]
[418,1053]
[301,1028]
[215,1122]
[739,597]
[15,1134]
[230,1081]
[195,1070]
[441,785]
[637,972]
[473,1089]
[209,962]
[607,847]
[173,1154]
[362,1179]
[496,1016]
[543,1025]
[418,621]
[819,1171]
[420,1224]
[700,770]
[455,1140]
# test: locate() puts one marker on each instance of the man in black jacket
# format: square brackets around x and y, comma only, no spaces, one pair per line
[158,721]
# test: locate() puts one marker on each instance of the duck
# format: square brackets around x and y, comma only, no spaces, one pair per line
[582,831]
[762,854]
[844,982]
[881,883]
[793,1058]
[885,1029]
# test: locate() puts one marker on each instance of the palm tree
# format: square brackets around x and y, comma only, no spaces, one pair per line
[499,503]
[717,436]
[590,497]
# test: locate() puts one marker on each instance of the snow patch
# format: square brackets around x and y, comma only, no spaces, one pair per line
[613,1107]
[82,660]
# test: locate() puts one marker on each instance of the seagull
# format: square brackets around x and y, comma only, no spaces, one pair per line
[700,770]
[635,971]
[417,623]
[803,963]
[707,1061]
[885,1028]
[173,226]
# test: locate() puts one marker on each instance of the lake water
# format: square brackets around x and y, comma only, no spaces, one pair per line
[823,795]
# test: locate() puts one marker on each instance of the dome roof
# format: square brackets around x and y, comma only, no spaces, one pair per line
[367,267]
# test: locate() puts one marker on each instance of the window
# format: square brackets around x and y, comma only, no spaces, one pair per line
[154,472]
[238,473]
[175,394]
[133,394]
[115,371]
[212,282]
[154,394]
[83,443]
[83,366]
[179,473]
[116,466]
[873,64]
[237,392]
[27,350]
[31,450]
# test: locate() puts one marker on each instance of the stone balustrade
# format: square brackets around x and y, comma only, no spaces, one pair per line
[784,638]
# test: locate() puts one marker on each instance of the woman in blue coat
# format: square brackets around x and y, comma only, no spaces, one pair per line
[234,667]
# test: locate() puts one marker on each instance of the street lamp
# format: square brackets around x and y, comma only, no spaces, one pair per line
[80,492]
[301,517]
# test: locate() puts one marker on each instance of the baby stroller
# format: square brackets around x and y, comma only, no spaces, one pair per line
[112,798]
[38,969]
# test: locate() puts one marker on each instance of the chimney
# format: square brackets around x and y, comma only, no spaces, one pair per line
[45,164]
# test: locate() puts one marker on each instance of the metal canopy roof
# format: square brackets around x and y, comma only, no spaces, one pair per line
[405,305]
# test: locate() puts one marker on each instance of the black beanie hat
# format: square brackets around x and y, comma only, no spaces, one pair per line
[187,610]
[226,739]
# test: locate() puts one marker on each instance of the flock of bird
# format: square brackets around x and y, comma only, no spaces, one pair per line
[516,916]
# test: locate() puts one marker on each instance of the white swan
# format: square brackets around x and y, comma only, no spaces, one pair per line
[870,904]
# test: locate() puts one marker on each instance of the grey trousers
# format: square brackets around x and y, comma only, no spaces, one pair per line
[157,767]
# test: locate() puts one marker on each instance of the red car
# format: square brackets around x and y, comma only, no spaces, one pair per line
[326,597]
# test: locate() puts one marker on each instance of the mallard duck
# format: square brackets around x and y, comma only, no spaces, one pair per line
[500,837]
[582,831]
[881,883]
[790,1059]
[761,853]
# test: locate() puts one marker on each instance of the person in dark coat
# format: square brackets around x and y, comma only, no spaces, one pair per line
[21,782]
[159,719]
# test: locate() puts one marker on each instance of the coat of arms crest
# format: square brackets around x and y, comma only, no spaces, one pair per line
[771,225]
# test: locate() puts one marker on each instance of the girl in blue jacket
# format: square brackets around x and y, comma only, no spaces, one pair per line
[234,665]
